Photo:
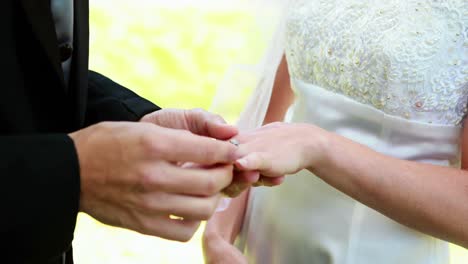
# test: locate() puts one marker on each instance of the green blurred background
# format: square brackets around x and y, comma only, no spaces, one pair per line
[174,53]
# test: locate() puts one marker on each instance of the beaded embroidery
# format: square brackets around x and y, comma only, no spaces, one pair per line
[408,58]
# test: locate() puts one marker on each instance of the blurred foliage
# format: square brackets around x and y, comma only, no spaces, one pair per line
[176,57]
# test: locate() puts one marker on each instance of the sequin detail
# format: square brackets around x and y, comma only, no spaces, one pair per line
[406,58]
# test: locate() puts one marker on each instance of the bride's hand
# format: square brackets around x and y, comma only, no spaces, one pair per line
[246,179]
[217,250]
[279,149]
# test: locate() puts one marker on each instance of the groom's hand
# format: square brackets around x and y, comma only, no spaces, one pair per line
[197,121]
[129,177]
[201,122]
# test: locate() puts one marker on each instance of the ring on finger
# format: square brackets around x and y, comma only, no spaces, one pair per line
[235,142]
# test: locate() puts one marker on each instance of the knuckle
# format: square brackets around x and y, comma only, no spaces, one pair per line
[211,185]
[148,227]
[162,146]
[198,111]
[147,142]
[149,204]
[160,203]
[207,210]
[154,145]
[104,125]
[146,205]
[149,178]
[196,114]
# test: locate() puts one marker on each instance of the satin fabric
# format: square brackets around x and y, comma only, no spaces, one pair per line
[307,221]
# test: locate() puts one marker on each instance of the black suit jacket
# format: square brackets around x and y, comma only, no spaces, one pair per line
[39,170]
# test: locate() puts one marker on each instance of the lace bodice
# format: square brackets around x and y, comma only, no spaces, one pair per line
[407,58]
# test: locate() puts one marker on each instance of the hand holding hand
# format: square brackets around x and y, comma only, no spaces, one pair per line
[279,149]
[242,180]
[201,122]
[130,177]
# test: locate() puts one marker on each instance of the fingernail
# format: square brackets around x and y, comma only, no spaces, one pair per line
[242,162]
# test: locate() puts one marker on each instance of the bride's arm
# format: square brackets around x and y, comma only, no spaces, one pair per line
[429,198]
[226,225]
[282,96]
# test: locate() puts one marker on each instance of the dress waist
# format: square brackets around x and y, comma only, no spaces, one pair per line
[391,135]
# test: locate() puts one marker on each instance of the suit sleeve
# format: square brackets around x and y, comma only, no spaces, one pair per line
[40,195]
[109,101]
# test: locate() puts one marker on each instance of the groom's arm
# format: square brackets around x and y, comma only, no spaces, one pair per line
[109,101]
[40,196]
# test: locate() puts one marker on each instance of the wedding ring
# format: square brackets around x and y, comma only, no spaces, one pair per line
[234,142]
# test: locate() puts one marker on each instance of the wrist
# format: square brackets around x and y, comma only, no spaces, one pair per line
[317,147]
[218,228]
[213,232]
[212,241]
[210,235]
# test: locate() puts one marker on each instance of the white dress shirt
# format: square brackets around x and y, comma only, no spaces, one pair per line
[62,11]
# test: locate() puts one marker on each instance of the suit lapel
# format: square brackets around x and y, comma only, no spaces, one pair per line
[39,16]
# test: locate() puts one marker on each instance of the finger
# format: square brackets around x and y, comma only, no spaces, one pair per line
[202,150]
[208,124]
[218,130]
[246,176]
[242,180]
[167,228]
[190,180]
[268,181]
[271,182]
[235,189]
[256,161]
[187,207]
[183,146]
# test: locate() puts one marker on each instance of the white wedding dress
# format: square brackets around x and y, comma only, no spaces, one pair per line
[389,74]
